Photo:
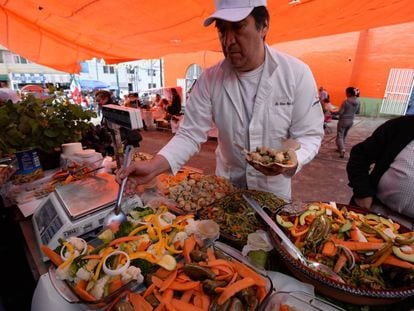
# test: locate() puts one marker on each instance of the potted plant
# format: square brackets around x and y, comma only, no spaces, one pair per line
[41,124]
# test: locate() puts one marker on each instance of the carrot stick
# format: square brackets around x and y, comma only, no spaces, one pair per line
[382,258]
[261,293]
[81,284]
[394,261]
[139,302]
[184,286]
[245,271]
[149,290]
[82,293]
[187,295]
[337,212]
[234,288]
[157,281]
[162,273]
[197,301]
[184,306]
[189,245]
[359,246]
[168,296]
[329,249]
[340,263]
[114,285]
[168,281]
[52,255]
[124,239]
[205,302]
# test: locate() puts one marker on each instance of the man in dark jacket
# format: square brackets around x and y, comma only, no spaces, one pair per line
[390,183]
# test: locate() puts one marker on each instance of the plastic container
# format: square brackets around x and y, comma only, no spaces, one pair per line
[71,148]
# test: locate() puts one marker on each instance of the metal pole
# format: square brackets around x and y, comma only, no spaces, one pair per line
[117,81]
[161,74]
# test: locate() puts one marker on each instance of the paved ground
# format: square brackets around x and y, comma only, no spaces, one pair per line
[323,179]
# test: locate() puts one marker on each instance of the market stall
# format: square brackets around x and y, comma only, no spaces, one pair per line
[202,222]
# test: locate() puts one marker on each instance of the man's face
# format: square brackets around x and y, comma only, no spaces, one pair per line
[242,43]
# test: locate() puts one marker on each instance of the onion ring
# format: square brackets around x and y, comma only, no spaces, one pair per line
[69,240]
[117,271]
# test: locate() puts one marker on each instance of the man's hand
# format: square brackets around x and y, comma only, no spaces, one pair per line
[364,202]
[275,168]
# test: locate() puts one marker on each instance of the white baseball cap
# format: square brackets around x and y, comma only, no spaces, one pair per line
[233,10]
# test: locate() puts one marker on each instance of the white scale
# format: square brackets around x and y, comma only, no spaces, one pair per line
[75,209]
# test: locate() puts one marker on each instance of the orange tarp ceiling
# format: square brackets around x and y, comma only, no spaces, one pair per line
[61,34]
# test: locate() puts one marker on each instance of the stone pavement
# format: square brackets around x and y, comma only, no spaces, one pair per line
[323,179]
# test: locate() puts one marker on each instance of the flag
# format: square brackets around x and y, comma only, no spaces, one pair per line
[75,90]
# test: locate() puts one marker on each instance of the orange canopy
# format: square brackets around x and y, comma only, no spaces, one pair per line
[60,34]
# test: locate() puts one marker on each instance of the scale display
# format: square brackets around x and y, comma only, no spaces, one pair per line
[76,209]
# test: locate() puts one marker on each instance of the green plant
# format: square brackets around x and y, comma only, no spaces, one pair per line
[33,123]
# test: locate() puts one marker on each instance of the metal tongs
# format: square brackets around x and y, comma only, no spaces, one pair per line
[289,246]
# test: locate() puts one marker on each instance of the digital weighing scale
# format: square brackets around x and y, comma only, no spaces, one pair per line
[75,209]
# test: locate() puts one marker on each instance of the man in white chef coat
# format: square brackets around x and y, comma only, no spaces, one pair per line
[256,97]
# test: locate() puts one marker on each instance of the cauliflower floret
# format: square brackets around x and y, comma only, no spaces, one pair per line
[63,274]
[132,273]
[152,249]
[98,289]
[78,244]
[180,236]
[192,227]
[83,274]
[166,219]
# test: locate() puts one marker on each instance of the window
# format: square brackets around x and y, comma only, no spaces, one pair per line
[1,57]
[151,72]
[109,69]
[152,85]
[84,67]
[20,60]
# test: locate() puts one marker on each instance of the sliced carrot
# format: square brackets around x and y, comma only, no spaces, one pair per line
[81,284]
[359,246]
[149,290]
[168,296]
[220,262]
[114,285]
[138,302]
[340,262]
[124,239]
[187,295]
[168,281]
[382,258]
[185,306]
[52,255]
[83,294]
[189,245]
[184,286]
[329,249]
[234,288]
[336,211]
[245,271]
[394,261]
[234,278]
[261,293]
[284,307]
[205,302]
[198,302]
[162,273]
[157,281]
[374,239]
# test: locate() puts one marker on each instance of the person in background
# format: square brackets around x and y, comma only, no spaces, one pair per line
[323,94]
[256,96]
[346,114]
[133,100]
[102,98]
[156,102]
[174,109]
[388,186]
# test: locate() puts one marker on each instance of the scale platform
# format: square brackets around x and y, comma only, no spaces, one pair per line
[75,209]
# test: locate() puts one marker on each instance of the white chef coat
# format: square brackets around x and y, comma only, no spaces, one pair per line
[286,106]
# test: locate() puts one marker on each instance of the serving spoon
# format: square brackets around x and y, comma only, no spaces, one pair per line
[289,246]
[117,216]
